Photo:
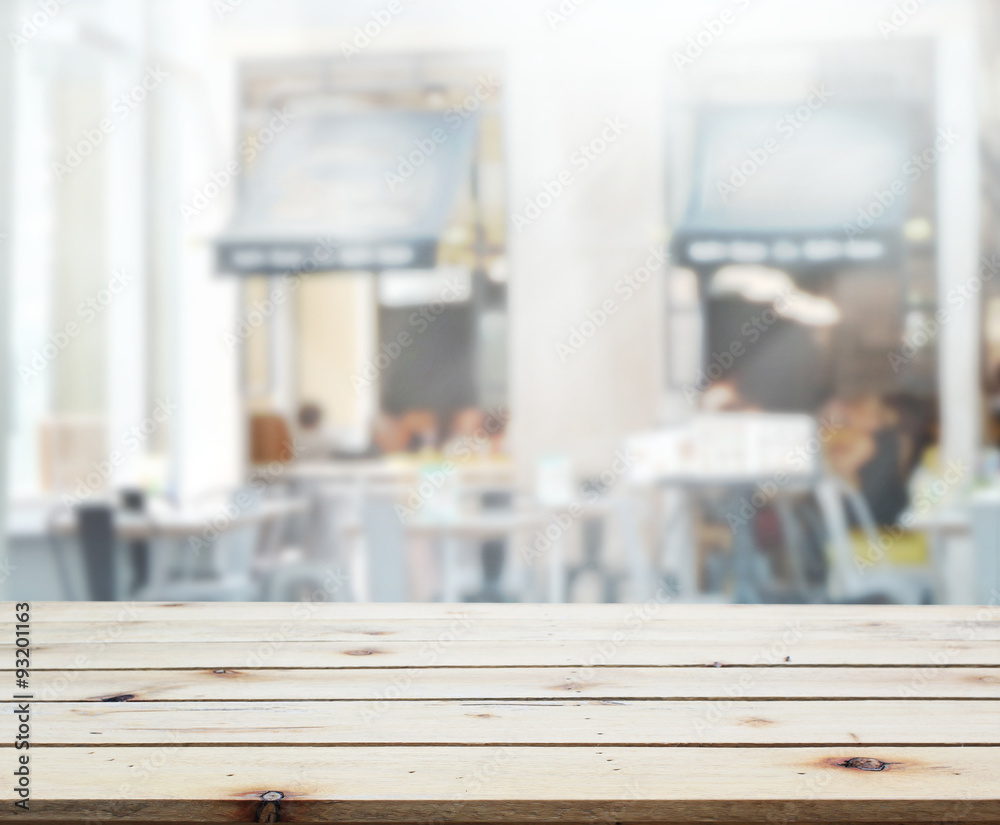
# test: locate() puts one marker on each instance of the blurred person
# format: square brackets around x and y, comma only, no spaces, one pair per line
[726,395]
[412,432]
[720,397]
[496,426]
[476,432]
[390,434]
[917,421]
[933,484]
[467,422]
[422,430]
[467,436]
[315,441]
[872,454]
[993,408]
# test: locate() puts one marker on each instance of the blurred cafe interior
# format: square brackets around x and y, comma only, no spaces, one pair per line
[520,301]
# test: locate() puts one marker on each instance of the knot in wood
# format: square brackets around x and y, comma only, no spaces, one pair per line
[865,763]
[268,811]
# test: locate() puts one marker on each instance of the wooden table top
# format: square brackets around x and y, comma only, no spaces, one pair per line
[351,713]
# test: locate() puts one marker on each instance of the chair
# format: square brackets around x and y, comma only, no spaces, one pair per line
[493,552]
[96,530]
[225,573]
[270,439]
[385,549]
[848,582]
[312,565]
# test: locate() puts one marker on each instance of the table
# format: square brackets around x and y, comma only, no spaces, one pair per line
[975,519]
[190,522]
[197,521]
[392,470]
[447,533]
[200,524]
[341,491]
[351,713]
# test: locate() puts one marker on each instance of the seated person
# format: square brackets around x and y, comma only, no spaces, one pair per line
[390,434]
[313,440]
[413,431]
[872,454]
[476,433]
[422,426]
[726,395]
[993,409]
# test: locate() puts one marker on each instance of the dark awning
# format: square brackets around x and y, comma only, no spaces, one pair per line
[798,185]
[335,191]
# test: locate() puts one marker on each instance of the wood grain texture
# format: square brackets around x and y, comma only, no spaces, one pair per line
[479,714]
[473,629]
[391,684]
[518,784]
[617,649]
[482,722]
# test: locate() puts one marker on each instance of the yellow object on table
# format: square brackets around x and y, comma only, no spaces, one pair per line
[904,548]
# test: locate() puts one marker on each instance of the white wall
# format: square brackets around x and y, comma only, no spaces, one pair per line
[581,394]
[207,440]
[6,163]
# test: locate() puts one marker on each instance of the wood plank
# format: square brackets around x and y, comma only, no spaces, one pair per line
[490,722]
[619,651]
[388,684]
[515,784]
[626,822]
[501,713]
[110,612]
[469,629]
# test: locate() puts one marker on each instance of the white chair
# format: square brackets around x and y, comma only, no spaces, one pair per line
[226,568]
[850,581]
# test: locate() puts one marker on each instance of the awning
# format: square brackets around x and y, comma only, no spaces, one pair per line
[798,186]
[368,190]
